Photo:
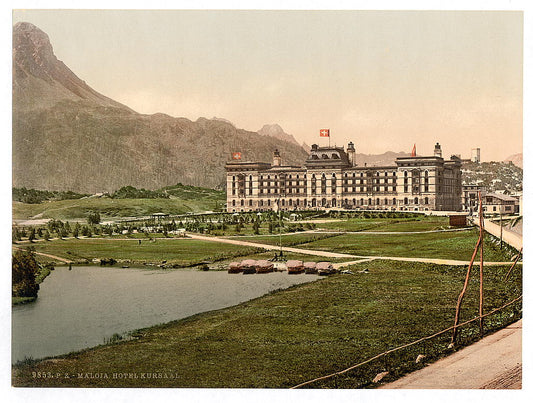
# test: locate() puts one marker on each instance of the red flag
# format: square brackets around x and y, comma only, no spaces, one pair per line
[413,152]
[324,133]
[236,156]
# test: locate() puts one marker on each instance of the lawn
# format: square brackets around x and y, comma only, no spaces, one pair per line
[442,245]
[109,208]
[181,252]
[294,335]
[286,240]
[387,224]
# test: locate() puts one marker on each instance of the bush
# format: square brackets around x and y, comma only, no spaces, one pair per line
[24,270]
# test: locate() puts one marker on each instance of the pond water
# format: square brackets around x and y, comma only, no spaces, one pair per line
[83,307]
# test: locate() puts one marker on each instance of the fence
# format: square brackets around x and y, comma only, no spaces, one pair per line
[403,359]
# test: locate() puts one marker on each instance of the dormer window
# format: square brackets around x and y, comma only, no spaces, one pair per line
[325,157]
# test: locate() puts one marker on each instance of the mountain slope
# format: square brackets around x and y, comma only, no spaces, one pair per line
[517,159]
[66,136]
[277,132]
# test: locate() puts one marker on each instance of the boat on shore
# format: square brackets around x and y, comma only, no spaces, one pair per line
[249,266]
[234,267]
[264,266]
[310,268]
[325,268]
[295,267]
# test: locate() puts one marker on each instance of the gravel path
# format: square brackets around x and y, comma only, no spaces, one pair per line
[494,362]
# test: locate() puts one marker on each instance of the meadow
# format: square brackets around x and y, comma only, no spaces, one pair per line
[291,336]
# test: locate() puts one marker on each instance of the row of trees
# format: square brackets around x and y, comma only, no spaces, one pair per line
[34,196]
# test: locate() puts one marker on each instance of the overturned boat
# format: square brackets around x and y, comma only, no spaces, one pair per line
[235,267]
[310,268]
[325,268]
[295,267]
[249,266]
[264,266]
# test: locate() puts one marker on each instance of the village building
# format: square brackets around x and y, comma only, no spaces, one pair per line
[331,179]
[497,203]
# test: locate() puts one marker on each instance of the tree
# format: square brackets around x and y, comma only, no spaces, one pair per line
[31,237]
[256,227]
[16,234]
[46,235]
[94,218]
[24,270]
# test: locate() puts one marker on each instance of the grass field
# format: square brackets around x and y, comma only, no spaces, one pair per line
[181,252]
[286,240]
[443,245]
[109,208]
[290,336]
[423,223]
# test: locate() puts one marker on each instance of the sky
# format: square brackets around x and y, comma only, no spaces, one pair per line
[385,80]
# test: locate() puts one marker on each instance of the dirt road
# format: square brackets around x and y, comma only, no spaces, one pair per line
[338,255]
[494,362]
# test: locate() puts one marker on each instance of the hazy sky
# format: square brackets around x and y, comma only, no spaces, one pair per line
[382,79]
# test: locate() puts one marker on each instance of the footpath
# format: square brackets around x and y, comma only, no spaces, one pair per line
[495,362]
[327,254]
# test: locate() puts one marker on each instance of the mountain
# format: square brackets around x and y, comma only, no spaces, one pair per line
[516,159]
[67,136]
[277,132]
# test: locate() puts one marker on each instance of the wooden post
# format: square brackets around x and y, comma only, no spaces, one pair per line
[501,227]
[513,265]
[461,295]
[481,230]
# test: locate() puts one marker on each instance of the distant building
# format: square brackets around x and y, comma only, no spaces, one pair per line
[476,155]
[471,197]
[496,203]
[331,179]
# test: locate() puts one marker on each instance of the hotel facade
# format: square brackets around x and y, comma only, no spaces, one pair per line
[331,179]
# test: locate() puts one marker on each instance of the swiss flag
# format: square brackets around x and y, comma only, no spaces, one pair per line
[413,151]
[236,156]
[324,133]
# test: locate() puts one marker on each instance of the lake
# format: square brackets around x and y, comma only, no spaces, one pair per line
[83,307]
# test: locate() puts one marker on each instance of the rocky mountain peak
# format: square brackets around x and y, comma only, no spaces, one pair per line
[275,130]
[32,51]
[36,70]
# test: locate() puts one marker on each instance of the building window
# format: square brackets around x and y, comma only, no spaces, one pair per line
[405,200]
[394,201]
[426,200]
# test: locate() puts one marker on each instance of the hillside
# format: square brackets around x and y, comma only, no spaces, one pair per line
[66,136]
[502,176]
[125,202]
[517,159]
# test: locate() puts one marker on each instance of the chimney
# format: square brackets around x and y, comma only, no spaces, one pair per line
[438,151]
[277,159]
[351,153]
